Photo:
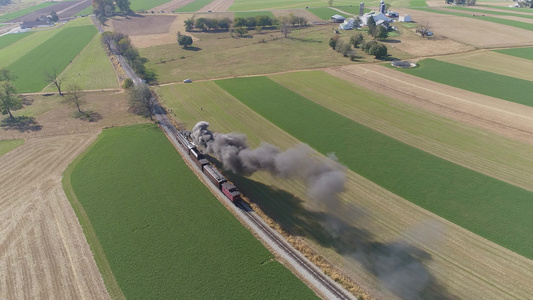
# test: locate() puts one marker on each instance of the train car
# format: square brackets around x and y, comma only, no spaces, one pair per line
[231,192]
[184,142]
[198,158]
[216,178]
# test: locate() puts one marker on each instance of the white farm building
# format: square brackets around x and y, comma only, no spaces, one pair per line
[406,18]
[348,24]
[376,15]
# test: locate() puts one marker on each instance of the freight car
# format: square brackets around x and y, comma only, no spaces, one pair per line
[211,172]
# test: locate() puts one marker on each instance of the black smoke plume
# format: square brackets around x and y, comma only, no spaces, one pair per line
[324,178]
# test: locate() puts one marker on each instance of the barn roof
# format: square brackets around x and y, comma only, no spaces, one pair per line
[338,17]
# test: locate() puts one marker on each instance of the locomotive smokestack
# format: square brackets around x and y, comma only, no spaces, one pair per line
[324,178]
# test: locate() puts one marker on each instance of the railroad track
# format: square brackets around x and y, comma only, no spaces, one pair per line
[324,280]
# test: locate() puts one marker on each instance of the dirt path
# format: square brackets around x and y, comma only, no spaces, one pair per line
[217,5]
[43,251]
[495,115]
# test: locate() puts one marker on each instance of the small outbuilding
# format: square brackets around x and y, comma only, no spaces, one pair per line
[348,24]
[337,19]
[406,18]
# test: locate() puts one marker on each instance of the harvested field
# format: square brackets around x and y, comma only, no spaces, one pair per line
[370,218]
[491,61]
[217,6]
[143,24]
[501,117]
[43,251]
[488,34]
[152,30]
[297,12]
[64,9]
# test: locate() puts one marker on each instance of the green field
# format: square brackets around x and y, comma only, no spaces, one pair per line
[246,14]
[25,11]
[194,6]
[248,5]
[9,39]
[526,53]
[55,53]
[325,13]
[164,235]
[490,12]
[85,11]
[418,3]
[6,146]
[488,207]
[143,5]
[520,9]
[517,24]
[477,81]
[91,69]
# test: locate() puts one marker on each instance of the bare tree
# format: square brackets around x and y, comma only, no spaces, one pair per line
[55,79]
[423,28]
[142,100]
[285,25]
[74,97]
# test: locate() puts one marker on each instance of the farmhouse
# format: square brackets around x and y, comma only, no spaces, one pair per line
[37,23]
[348,24]
[337,19]
[376,15]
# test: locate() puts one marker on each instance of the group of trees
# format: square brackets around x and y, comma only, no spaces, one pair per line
[379,50]
[339,45]
[106,8]
[142,100]
[378,32]
[121,43]
[372,47]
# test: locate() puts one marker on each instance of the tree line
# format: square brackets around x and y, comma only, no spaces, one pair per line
[261,21]
[122,45]
[107,8]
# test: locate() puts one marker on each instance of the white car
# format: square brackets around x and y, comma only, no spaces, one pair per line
[188,80]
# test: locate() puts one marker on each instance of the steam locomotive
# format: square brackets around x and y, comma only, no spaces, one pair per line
[211,172]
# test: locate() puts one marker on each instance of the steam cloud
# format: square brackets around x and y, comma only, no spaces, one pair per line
[324,178]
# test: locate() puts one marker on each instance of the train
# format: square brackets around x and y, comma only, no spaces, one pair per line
[216,178]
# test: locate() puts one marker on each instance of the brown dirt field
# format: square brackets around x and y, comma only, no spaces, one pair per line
[171,6]
[484,34]
[160,37]
[502,117]
[43,251]
[143,24]
[297,12]
[217,5]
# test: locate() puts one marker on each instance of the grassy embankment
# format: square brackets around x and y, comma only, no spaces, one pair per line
[488,207]
[6,146]
[477,81]
[162,233]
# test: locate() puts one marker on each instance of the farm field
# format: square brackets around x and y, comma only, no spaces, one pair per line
[249,5]
[491,12]
[22,12]
[325,13]
[370,218]
[9,39]
[8,145]
[494,62]
[219,55]
[246,14]
[469,199]
[194,6]
[478,81]
[55,53]
[526,53]
[143,5]
[164,237]
[91,69]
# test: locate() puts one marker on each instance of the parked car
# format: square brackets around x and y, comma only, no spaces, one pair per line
[188,80]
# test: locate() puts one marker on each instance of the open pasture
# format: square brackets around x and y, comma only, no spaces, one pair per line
[144,5]
[494,62]
[8,145]
[249,5]
[478,81]
[163,234]
[490,12]
[247,14]
[194,6]
[488,207]
[55,53]
[370,218]
[325,13]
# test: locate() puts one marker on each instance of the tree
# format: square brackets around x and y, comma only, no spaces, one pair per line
[333,41]
[142,100]
[9,100]
[53,16]
[366,46]
[356,40]
[123,6]
[185,41]
[55,79]
[379,50]
[371,23]
[330,2]
[127,84]
[241,31]
[285,25]
[381,33]
[6,75]
[343,47]
[189,24]
[73,96]
[423,28]
[240,22]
